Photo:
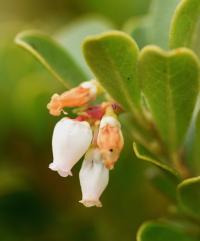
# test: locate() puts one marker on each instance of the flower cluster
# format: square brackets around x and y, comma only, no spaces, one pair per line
[95,132]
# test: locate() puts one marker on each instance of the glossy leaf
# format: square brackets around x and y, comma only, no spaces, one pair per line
[113,58]
[143,155]
[72,35]
[152,231]
[165,77]
[52,56]
[189,195]
[185,27]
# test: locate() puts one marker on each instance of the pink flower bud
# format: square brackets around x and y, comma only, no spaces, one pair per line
[110,140]
[75,97]
[93,178]
[71,139]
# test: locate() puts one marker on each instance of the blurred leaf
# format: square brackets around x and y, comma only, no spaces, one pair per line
[166,186]
[192,150]
[138,133]
[54,57]
[154,28]
[28,86]
[189,195]
[165,77]
[71,37]
[113,57]
[118,11]
[152,231]
[185,27]
[137,27]
[161,12]
[141,154]
[12,62]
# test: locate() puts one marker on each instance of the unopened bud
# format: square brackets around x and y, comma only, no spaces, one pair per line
[76,97]
[110,140]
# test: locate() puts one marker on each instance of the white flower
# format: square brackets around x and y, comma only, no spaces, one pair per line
[93,178]
[71,139]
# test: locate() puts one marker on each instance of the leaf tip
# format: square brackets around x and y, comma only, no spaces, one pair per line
[105,35]
[141,230]
[19,38]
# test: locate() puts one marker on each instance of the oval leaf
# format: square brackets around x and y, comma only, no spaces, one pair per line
[164,185]
[113,57]
[138,28]
[162,12]
[72,35]
[152,231]
[192,145]
[154,28]
[189,195]
[54,57]
[141,154]
[185,30]
[170,82]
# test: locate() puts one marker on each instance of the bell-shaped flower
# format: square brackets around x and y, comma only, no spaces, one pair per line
[71,139]
[94,178]
[75,97]
[110,140]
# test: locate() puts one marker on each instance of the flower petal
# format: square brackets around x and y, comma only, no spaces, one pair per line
[94,178]
[71,139]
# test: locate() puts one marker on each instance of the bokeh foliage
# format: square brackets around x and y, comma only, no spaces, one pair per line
[35,204]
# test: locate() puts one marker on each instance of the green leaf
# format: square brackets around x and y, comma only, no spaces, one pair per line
[137,27]
[196,145]
[185,27]
[153,28]
[192,150]
[189,195]
[138,133]
[113,59]
[162,12]
[165,186]
[54,57]
[71,36]
[142,154]
[170,82]
[154,231]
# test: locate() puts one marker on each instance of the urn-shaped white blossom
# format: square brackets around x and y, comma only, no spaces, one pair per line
[71,139]
[94,178]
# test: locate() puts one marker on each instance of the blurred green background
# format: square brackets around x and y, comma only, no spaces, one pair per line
[35,203]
